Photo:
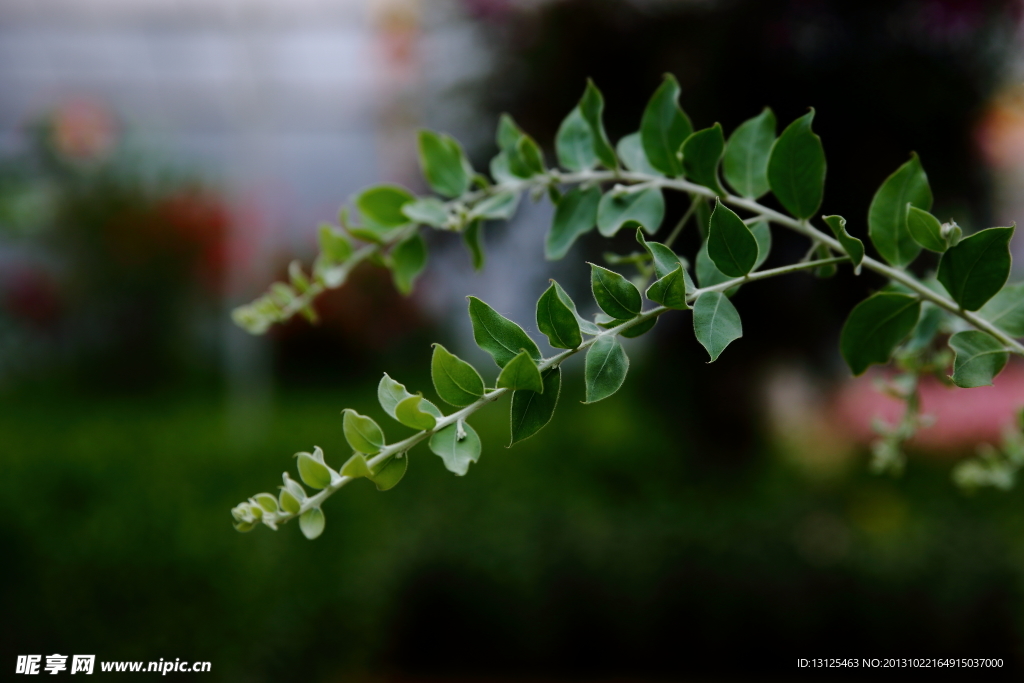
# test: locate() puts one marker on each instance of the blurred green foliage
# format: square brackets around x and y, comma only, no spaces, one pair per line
[607,546]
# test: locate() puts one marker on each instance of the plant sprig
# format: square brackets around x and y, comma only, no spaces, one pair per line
[623,187]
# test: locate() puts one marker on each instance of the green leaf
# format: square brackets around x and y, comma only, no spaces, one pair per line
[474,240]
[887,215]
[745,164]
[664,127]
[574,143]
[412,410]
[586,326]
[557,321]
[925,229]
[456,381]
[532,410]
[829,269]
[312,523]
[762,232]
[796,168]
[875,327]
[670,291]
[266,501]
[408,259]
[708,274]
[731,245]
[498,206]
[417,412]
[665,260]
[592,107]
[575,215]
[500,169]
[979,358]
[497,335]
[508,134]
[387,474]
[616,295]
[702,152]
[381,206]
[313,471]
[525,159]
[1006,310]
[361,432]
[428,211]
[605,368]
[333,245]
[444,165]
[716,323]
[646,207]
[853,247]
[288,502]
[356,467]
[631,151]
[977,268]
[927,327]
[456,453]
[521,373]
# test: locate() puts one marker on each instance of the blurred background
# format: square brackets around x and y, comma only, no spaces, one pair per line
[161,161]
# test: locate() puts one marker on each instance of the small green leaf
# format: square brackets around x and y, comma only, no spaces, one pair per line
[592,107]
[670,291]
[473,237]
[745,164]
[356,467]
[716,323]
[665,260]
[708,274]
[381,206]
[313,471]
[288,502]
[557,321]
[646,207]
[428,211]
[362,433]
[387,474]
[631,151]
[417,412]
[333,245]
[664,127]
[702,152]
[605,368]
[532,410]
[456,453]
[266,501]
[525,159]
[444,165]
[521,373]
[796,168]
[925,229]
[456,381]
[887,215]
[875,327]
[977,268]
[829,269]
[312,523]
[853,247]
[586,326]
[497,335]
[1006,310]
[731,245]
[574,143]
[408,259]
[616,295]
[499,206]
[979,358]
[575,215]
